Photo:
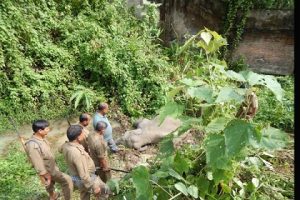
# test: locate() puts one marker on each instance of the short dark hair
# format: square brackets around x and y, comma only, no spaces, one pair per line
[100,126]
[83,117]
[39,124]
[102,106]
[73,132]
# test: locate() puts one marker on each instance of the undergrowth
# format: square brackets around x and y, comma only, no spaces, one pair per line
[51,49]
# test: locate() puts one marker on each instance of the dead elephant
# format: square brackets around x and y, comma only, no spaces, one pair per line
[148,132]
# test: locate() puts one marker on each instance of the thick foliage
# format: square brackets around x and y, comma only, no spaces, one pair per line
[220,166]
[278,114]
[35,72]
[47,48]
[18,180]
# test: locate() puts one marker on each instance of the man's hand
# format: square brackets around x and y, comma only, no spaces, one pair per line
[106,169]
[104,164]
[47,178]
[97,191]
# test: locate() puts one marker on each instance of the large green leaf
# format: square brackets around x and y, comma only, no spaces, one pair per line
[78,98]
[235,76]
[171,109]
[172,93]
[188,43]
[272,83]
[220,66]
[193,191]
[203,184]
[217,125]
[216,156]
[87,102]
[181,164]
[188,123]
[206,36]
[158,175]
[166,146]
[265,80]
[211,45]
[273,139]
[238,134]
[173,173]
[191,82]
[228,94]
[252,77]
[167,161]
[221,175]
[140,177]
[182,188]
[203,93]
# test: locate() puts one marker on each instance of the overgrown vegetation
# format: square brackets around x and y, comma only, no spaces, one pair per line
[60,53]
[18,178]
[234,159]
[278,114]
[49,48]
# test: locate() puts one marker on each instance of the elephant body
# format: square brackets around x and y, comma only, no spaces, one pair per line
[148,132]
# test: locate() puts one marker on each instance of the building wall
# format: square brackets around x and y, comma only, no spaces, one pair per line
[267,44]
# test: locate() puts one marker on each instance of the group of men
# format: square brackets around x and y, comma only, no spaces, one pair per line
[85,154]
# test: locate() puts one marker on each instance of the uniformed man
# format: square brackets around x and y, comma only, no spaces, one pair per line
[100,115]
[42,159]
[84,121]
[81,167]
[98,151]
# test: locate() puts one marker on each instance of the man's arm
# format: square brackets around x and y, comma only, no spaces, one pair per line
[84,175]
[101,154]
[103,164]
[38,162]
[83,172]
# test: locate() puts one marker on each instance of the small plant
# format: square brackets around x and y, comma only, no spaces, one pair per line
[85,97]
[239,65]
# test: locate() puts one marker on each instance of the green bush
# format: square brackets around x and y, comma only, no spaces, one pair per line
[279,115]
[18,180]
[238,65]
[226,161]
[48,48]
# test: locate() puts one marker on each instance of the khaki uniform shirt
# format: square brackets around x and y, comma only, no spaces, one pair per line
[98,147]
[41,156]
[84,142]
[79,162]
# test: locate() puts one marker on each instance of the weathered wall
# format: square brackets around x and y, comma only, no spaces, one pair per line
[180,18]
[267,43]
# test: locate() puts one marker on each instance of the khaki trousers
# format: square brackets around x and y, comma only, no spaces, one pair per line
[66,184]
[85,194]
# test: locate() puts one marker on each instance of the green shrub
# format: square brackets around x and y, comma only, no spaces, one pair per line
[279,115]
[18,180]
[48,48]
[238,65]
